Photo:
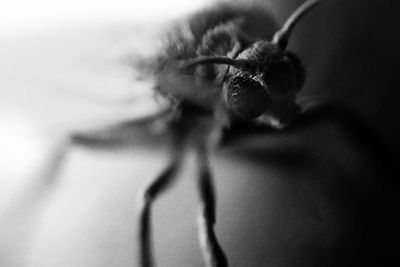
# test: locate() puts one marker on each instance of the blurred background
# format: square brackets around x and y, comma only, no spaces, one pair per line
[307,198]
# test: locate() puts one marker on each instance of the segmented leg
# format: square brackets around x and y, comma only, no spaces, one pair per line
[212,251]
[150,194]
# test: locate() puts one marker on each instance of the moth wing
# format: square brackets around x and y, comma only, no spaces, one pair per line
[130,110]
[144,126]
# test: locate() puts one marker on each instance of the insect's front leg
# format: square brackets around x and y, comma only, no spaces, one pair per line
[161,183]
[212,251]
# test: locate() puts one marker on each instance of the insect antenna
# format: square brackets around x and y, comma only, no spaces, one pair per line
[237,63]
[280,40]
[281,37]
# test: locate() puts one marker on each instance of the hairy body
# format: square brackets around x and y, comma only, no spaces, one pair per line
[237,33]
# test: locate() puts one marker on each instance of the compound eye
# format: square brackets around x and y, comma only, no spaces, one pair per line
[247,98]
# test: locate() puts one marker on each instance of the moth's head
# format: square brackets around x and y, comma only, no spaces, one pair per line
[264,78]
[272,78]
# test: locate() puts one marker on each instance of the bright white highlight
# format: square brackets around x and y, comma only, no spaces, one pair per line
[21,147]
[28,14]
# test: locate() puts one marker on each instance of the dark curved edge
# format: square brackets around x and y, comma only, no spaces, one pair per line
[346,118]
[374,241]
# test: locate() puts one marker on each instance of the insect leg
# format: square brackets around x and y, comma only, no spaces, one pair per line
[161,183]
[212,251]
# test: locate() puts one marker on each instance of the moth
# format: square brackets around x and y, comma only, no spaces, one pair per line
[220,74]
[226,73]
[218,70]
